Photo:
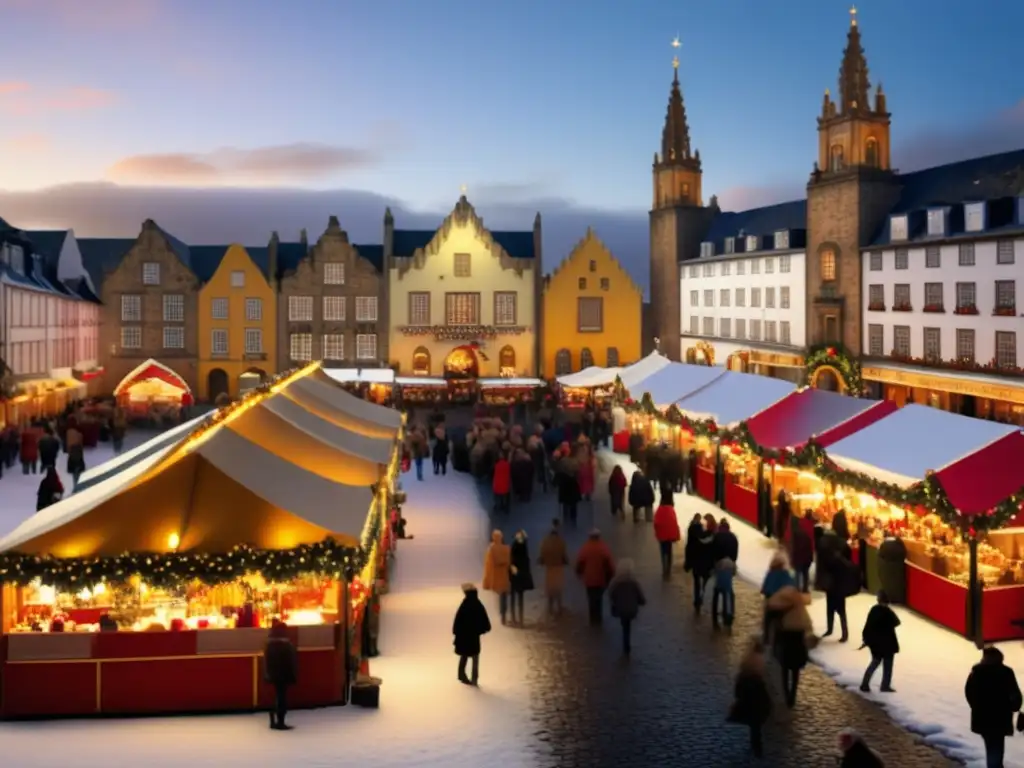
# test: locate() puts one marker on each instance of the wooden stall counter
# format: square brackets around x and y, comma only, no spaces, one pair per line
[167,672]
[937,598]
[741,501]
[705,484]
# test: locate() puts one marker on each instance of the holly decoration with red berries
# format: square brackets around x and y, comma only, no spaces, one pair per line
[839,358]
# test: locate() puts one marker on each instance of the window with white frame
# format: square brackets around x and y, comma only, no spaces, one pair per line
[463,309]
[709,326]
[937,222]
[419,308]
[253,341]
[769,266]
[966,254]
[902,260]
[741,297]
[933,257]
[300,310]
[174,308]
[707,249]
[219,341]
[505,307]
[334,346]
[752,243]
[463,265]
[237,279]
[300,347]
[174,337]
[730,245]
[966,296]
[784,264]
[131,337]
[755,330]
[254,310]
[709,298]
[770,332]
[782,239]
[131,309]
[708,270]
[741,268]
[974,217]
[1005,252]
[366,346]
[933,344]
[725,327]
[151,273]
[755,266]
[334,274]
[1006,294]
[875,261]
[769,298]
[219,309]
[694,298]
[726,269]
[784,297]
[755,297]
[901,340]
[901,295]
[694,272]
[1006,349]
[785,332]
[965,344]
[723,297]
[366,310]
[694,325]
[876,340]
[898,228]
[741,328]
[334,308]
[933,297]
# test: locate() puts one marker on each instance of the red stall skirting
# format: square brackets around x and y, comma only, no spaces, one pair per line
[194,684]
[144,645]
[706,483]
[49,689]
[937,598]
[741,501]
[319,684]
[620,441]
[1001,606]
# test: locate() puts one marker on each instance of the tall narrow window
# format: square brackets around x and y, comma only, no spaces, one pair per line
[835,158]
[507,360]
[828,265]
[871,152]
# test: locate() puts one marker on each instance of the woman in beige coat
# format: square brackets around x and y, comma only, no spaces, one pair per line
[795,636]
[497,573]
[554,556]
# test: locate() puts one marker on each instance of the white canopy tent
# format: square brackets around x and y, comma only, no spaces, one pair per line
[349,404]
[594,376]
[633,374]
[362,375]
[674,382]
[906,444]
[507,383]
[734,397]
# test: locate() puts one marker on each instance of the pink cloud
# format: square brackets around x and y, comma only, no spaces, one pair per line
[22,99]
[93,15]
[12,86]
[30,142]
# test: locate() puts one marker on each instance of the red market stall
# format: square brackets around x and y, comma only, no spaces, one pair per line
[153,387]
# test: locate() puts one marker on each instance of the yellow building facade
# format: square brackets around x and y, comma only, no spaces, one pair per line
[461,304]
[237,327]
[592,312]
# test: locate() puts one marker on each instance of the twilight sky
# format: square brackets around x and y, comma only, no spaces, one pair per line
[224,120]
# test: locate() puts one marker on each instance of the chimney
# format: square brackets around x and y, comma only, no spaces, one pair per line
[302,237]
[389,240]
[272,260]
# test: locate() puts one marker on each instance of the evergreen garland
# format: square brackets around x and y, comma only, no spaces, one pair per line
[838,357]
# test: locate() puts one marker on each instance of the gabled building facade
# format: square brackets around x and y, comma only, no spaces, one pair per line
[464,301]
[592,312]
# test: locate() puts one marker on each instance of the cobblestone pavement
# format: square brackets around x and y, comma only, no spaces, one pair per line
[667,705]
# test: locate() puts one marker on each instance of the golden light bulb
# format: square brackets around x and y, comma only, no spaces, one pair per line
[173,541]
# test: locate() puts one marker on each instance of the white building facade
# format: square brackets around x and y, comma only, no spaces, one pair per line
[746,307]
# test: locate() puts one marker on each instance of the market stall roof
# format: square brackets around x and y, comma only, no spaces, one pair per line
[505,383]
[734,397]
[594,376]
[826,416]
[320,407]
[633,374]
[161,444]
[152,369]
[674,382]
[904,446]
[351,405]
[421,381]
[990,475]
[362,375]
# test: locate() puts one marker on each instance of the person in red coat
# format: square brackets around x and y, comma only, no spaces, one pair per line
[801,549]
[501,484]
[666,531]
[29,450]
[617,491]
[595,566]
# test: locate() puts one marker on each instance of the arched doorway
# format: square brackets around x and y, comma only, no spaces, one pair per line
[216,384]
[613,357]
[421,362]
[586,358]
[461,363]
[507,361]
[827,379]
[737,362]
[563,362]
[251,379]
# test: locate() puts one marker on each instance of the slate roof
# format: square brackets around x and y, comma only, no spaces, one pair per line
[260,256]
[101,255]
[289,255]
[205,260]
[762,222]
[5,225]
[373,254]
[518,245]
[49,243]
[180,249]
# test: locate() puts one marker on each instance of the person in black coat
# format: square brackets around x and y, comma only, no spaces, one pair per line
[752,703]
[520,576]
[49,449]
[725,543]
[439,454]
[993,696]
[699,558]
[522,475]
[281,670]
[50,489]
[879,636]
[641,496]
[568,486]
[471,623]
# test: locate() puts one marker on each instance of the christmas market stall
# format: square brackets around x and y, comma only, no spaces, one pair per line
[171,571]
[758,454]
[331,403]
[373,384]
[593,384]
[510,391]
[422,390]
[153,389]
[950,488]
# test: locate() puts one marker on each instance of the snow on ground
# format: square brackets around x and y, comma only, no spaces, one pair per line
[427,718]
[929,673]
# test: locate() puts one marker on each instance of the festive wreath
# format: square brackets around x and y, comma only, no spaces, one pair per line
[837,357]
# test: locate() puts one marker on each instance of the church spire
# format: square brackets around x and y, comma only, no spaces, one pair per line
[854,86]
[675,136]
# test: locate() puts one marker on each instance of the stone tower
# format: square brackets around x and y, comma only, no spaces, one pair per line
[849,194]
[678,219]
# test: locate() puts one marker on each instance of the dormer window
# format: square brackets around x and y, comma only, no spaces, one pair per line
[974,217]
[937,222]
[18,259]
[730,245]
[898,228]
[707,249]
[752,244]
[782,239]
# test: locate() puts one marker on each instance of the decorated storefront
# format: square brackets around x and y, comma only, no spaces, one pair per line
[373,384]
[512,391]
[831,367]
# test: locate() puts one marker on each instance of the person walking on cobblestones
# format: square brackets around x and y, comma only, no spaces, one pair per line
[699,558]
[501,485]
[793,637]
[617,491]
[595,566]
[666,531]
[626,598]
[879,636]
[497,571]
[641,496]
[471,623]
[567,483]
[725,572]
[993,696]
[521,576]
[777,577]
[554,556]
[752,703]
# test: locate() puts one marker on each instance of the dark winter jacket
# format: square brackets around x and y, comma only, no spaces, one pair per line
[50,491]
[694,532]
[522,477]
[49,449]
[993,695]
[76,459]
[801,543]
[568,486]
[879,633]
[471,622]
[641,494]
[843,577]
[626,597]
[753,703]
[440,452]
[700,551]
[520,574]
[859,755]
[725,545]
[280,661]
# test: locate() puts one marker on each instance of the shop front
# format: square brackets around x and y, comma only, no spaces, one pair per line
[373,384]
